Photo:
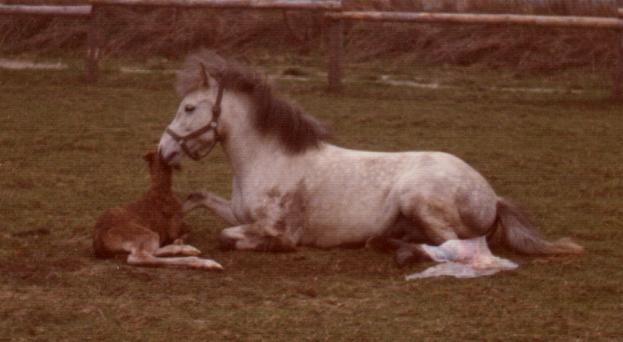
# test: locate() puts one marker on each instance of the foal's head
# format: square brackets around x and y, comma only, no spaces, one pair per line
[159,170]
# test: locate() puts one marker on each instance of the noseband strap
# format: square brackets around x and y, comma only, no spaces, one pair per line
[205,149]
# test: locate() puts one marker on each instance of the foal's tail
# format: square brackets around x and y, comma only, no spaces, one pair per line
[522,237]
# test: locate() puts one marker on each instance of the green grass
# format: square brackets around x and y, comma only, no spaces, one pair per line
[69,150]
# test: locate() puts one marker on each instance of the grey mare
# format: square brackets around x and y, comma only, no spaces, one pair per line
[291,187]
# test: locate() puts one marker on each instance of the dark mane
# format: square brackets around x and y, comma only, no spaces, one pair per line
[295,129]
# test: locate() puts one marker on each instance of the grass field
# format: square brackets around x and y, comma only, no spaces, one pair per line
[69,150]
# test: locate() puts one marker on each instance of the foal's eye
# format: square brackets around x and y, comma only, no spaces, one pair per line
[189,108]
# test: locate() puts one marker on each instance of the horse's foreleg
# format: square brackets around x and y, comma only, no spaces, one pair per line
[216,204]
[255,237]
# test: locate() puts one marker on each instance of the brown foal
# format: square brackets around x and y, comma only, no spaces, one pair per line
[150,230]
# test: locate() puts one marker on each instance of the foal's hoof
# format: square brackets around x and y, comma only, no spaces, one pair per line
[410,254]
[191,251]
[210,265]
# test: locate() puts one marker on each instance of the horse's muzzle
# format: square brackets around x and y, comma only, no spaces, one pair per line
[172,159]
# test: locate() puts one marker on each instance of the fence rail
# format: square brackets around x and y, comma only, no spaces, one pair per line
[322,5]
[461,18]
[336,32]
[335,16]
[47,10]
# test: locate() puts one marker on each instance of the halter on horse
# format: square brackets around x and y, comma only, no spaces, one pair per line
[210,126]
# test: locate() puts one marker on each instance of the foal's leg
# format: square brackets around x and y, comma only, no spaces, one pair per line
[141,258]
[143,246]
[216,204]
[177,249]
[147,253]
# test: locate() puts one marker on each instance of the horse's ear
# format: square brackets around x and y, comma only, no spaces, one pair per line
[205,79]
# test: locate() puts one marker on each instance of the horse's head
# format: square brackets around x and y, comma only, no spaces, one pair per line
[250,111]
[195,129]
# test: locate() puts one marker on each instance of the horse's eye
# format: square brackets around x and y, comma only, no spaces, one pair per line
[189,108]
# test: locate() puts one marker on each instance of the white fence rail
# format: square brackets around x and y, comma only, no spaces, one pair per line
[69,11]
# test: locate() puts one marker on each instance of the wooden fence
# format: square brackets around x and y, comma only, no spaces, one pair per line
[335,18]
[94,37]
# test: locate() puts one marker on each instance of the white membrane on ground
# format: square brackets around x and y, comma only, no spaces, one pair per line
[463,259]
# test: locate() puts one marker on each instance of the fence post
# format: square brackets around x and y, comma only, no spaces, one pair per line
[336,46]
[617,89]
[93,46]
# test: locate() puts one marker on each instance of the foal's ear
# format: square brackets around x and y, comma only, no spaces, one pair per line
[205,78]
[150,157]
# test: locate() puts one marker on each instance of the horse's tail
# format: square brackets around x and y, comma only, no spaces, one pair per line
[522,237]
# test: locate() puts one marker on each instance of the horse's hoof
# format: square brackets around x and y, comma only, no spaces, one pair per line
[410,254]
[195,196]
[382,244]
[276,245]
[226,244]
[403,258]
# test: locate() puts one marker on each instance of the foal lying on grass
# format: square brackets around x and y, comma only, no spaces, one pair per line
[151,228]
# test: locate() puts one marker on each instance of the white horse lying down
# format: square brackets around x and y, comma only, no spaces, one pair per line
[291,187]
